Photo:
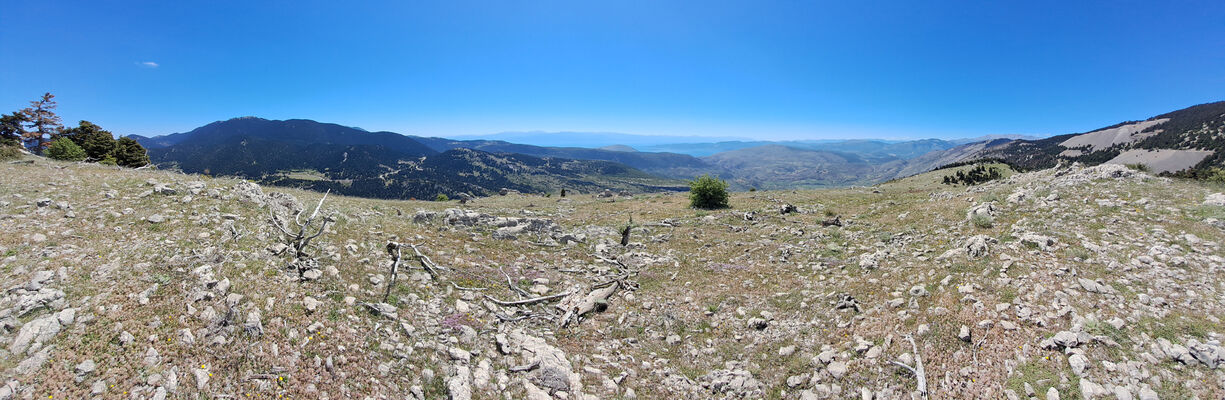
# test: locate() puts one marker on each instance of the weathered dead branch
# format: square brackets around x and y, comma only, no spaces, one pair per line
[596,300]
[524,302]
[917,370]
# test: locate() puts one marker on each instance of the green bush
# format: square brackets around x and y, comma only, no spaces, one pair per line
[108,160]
[1214,175]
[65,149]
[708,192]
[442,197]
[1139,167]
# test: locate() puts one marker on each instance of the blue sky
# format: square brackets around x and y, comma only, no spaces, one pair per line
[768,69]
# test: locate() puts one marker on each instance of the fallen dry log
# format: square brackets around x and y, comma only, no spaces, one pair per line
[596,300]
[524,302]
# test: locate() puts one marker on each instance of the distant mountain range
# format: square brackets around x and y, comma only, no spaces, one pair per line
[591,139]
[896,148]
[353,161]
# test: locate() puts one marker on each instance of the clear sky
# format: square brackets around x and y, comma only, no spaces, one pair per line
[770,69]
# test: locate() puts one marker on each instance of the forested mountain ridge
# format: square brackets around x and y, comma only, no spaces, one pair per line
[351,161]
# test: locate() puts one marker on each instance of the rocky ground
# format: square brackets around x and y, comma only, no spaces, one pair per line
[1067,283]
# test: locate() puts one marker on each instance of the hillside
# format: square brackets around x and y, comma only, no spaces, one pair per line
[477,172]
[1098,282]
[351,161]
[1189,141]
[294,131]
[667,165]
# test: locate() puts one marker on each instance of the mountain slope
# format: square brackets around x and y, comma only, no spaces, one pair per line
[1190,141]
[294,131]
[309,154]
[472,171]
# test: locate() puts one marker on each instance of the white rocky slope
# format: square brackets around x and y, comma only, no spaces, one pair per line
[1095,282]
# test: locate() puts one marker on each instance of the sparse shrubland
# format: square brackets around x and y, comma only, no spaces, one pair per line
[124,283]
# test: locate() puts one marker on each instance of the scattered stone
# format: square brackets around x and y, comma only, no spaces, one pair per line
[733,381]
[1090,390]
[310,303]
[1215,199]
[84,370]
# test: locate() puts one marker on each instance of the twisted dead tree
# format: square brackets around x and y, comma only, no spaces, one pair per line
[393,249]
[299,239]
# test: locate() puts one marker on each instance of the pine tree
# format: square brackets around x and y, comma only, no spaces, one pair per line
[12,129]
[98,143]
[43,123]
[129,153]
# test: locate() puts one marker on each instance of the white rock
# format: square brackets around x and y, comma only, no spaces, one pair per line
[202,376]
[1091,390]
[964,333]
[310,303]
[837,369]
[1079,364]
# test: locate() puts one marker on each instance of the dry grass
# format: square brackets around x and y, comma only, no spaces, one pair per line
[721,270]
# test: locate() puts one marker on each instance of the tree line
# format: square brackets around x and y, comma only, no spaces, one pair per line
[974,176]
[38,130]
